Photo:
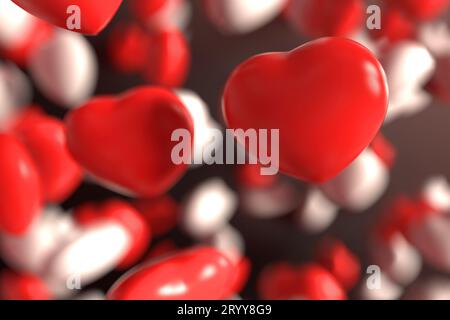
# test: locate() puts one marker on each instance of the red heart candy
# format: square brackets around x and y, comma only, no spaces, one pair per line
[328,98]
[20,198]
[94,15]
[197,274]
[126,141]
[45,139]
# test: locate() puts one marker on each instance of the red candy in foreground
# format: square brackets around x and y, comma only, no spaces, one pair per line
[20,199]
[94,15]
[126,141]
[328,98]
[197,274]
[320,18]
[45,139]
[123,213]
[17,286]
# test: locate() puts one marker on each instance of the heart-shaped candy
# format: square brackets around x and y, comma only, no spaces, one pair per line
[328,98]
[45,139]
[126,141]
[93,15]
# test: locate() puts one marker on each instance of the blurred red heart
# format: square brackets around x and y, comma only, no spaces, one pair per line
[126,141]
[45,139]
[328,98]
[20,198]
[94,15]
[196,274]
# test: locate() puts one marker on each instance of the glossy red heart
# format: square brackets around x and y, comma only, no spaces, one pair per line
[196,274]
[328,98]
[20,196]
[94,15]
[45,139]
[126,141]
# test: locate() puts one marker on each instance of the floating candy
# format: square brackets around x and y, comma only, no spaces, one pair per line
[436,37]
[15,92]
[93,252]
[129,47]
[20,33]
[162,214]
[355,189]
[208,208]
[308,282]
[427,228]
[118,211]
[67,84]
[395,27]
[197,274]
[30,252]
[317,213]
[320,18]
[162,15]
[169,59]
[361,184]
[311,112]
[204,125]
[421,10]
[92,15]
[20,184]
[271,202]
[339,261]
[100,132]
[409,66]
[23,286]
[45,139]
[242,16]
[163,58]
[397,258]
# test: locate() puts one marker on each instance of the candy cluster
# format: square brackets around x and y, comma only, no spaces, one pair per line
[136,193]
